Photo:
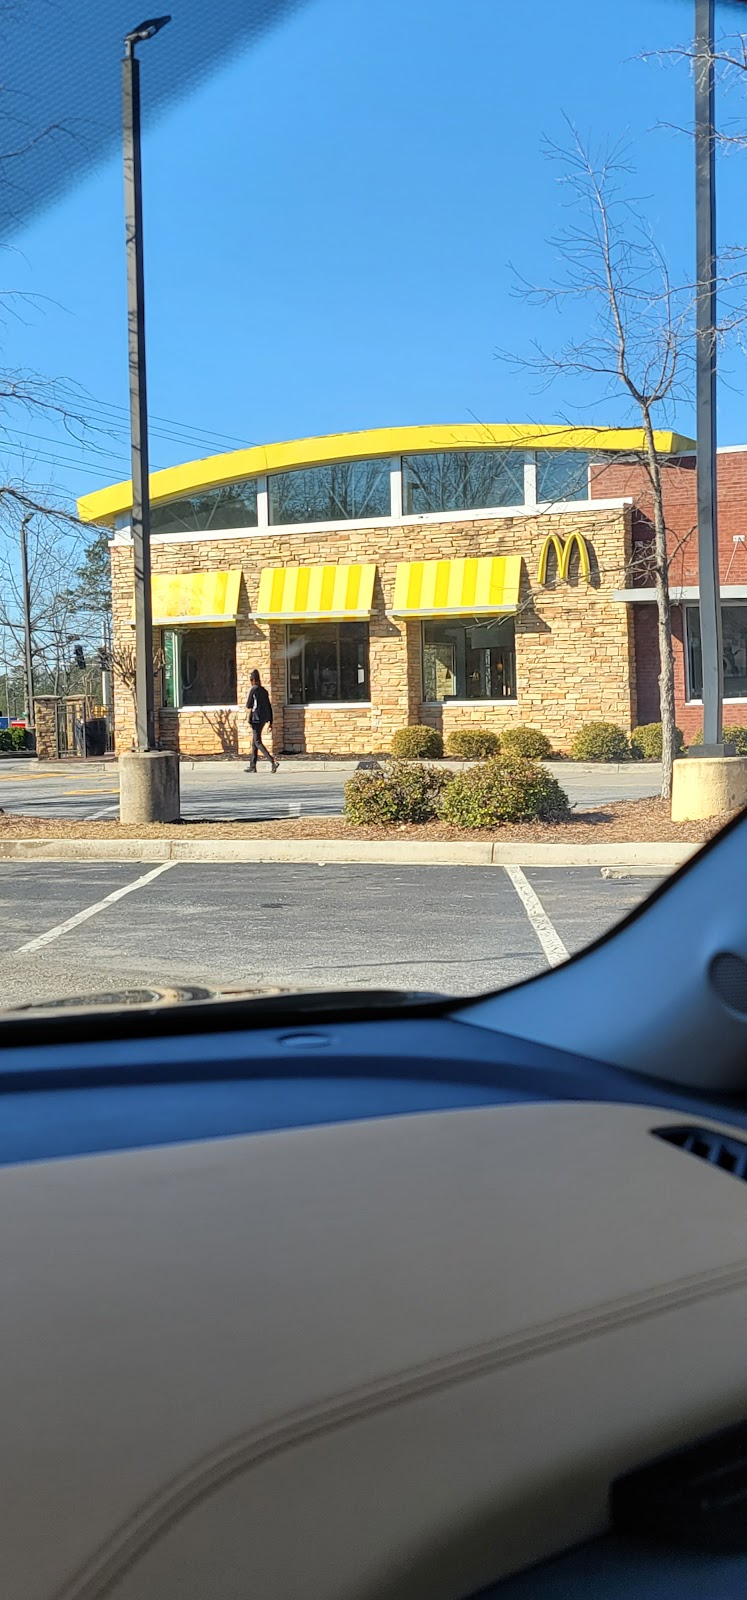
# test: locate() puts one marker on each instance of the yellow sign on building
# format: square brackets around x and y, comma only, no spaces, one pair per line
[563,553]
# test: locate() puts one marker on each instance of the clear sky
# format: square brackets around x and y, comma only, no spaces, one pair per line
[331,218]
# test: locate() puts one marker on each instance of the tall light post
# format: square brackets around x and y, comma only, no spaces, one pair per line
[144,689]
[705,357]
[148,778]
[27,646]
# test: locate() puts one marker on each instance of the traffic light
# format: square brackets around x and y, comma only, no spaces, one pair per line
[104,659]
[80,659]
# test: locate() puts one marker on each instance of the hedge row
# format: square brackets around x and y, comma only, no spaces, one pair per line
[421,743]
[596,741]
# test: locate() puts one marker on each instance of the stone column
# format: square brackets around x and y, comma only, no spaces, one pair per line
[45,718]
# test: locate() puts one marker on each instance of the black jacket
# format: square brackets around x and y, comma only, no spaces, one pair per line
[259,706]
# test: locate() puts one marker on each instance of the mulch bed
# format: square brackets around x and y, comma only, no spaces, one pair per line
[629,821]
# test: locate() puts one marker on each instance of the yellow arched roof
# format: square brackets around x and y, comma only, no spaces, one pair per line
[105,505]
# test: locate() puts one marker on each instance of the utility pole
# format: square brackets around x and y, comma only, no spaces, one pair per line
[705,354]
[27,625]
[148,778]
[144,691]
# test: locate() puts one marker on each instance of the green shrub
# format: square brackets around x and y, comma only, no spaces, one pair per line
[600,741]
[18,738]
[404,791]
[6,739]
[734,733]
[526,742]
[473,744]
[417,744]
[645,741]
[507,789]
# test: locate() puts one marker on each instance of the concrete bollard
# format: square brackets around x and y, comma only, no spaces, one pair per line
[149,786]
[708,786]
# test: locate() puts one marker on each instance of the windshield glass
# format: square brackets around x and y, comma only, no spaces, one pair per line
[368,614]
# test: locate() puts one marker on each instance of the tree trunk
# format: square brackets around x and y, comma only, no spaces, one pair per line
[664,616]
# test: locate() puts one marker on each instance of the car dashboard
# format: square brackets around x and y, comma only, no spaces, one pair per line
[363,1307]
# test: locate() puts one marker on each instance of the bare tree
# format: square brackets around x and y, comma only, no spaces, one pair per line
[124,667]
[52,550]
[637,347]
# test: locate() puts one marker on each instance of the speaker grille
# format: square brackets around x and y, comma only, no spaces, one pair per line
[729,979]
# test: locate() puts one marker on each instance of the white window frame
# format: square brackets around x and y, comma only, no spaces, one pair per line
[690,698]
[460,700]
[178,630]
[342,705]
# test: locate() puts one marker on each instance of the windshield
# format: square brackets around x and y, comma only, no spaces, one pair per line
[373,604]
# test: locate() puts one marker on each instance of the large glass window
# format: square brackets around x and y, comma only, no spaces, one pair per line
[199,667]
[562,475]
[462,480]
[233,505]
[734,631]
[327,661]
[335,493]
[469,660]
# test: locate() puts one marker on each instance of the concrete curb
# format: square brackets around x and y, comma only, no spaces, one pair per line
[323,852]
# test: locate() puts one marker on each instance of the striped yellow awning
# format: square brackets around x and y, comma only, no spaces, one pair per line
[478,586]
[194,597]
[316,594]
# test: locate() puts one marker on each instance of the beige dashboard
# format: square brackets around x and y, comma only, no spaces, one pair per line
[397,1358]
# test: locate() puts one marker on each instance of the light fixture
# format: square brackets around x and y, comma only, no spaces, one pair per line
[147,30]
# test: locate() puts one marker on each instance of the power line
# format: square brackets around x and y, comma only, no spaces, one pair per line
[115,459]
[50,460]
[163,426]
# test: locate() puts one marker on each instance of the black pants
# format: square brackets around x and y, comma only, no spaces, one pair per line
[257,744]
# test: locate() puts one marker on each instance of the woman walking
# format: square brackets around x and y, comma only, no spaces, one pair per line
[259,713]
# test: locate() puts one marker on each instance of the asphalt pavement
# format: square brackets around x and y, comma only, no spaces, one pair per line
[224,791]
[70,929]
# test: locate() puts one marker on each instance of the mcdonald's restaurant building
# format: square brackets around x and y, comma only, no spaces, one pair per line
[454,576]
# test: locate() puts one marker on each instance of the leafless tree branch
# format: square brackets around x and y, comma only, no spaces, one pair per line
[638,342]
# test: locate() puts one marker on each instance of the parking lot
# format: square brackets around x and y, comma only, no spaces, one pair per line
[71,929]
[224,791]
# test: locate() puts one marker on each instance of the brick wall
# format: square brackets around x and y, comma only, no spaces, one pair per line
[680,504]
[574,644]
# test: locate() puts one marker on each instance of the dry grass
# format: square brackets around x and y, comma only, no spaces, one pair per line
[631,821]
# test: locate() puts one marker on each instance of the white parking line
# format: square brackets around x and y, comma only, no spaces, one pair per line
[94,816]
[551,942]
[91,911]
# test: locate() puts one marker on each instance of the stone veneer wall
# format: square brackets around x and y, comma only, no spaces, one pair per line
[45,724]
[574,644]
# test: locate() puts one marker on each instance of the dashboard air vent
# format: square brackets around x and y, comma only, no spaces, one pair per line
[729,1154]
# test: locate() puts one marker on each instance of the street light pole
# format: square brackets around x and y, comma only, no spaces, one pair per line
[144,687]
[705,355]
[27,625]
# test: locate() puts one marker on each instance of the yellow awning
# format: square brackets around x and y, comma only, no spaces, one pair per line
[478,586]
[197,597]
[316,594]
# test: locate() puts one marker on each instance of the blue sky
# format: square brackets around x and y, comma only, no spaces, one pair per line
[330,221]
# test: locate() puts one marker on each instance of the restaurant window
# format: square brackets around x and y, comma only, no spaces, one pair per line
[462,480]
[199,667]
[562,475]
[469,660]
[734,633]
[327,661]
[233,505]
[338,492]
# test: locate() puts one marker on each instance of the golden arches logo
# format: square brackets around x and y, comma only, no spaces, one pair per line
[563,553]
